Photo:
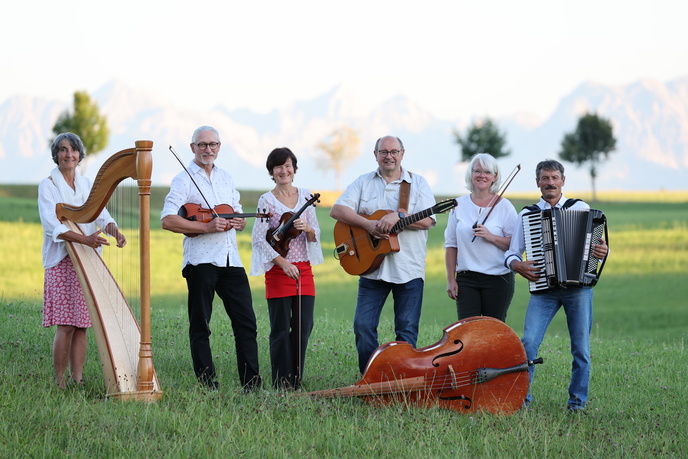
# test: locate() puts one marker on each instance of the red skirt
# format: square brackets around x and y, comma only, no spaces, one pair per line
[279,285]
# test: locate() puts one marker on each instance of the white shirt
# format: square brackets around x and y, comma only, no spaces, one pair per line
[479,255]
[213,248]
[54,249]
[369,193]
[300,249]
[518,242]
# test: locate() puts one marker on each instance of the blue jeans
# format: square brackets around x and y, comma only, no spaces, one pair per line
[372,294]
[577,303]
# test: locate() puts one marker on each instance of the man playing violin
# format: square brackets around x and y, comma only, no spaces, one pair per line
[211,262]
[402,272]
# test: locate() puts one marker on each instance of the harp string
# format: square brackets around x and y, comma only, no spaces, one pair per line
[124,263]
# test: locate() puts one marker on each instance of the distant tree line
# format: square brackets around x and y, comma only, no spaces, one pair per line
[591,142]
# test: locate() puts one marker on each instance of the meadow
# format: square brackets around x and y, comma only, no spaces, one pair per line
[638,384]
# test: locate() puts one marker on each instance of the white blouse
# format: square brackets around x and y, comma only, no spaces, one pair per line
[300,249]
[479,255]
[54,249]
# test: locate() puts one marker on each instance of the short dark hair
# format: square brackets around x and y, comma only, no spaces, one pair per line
[74,141]
[279,156]
[549,165]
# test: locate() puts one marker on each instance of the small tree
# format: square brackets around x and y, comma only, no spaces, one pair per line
[86,122]
[340,148]
[483,136]
[591,142]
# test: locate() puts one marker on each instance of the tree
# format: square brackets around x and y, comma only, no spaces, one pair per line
[340,148]
[591,142]
[86,122]
[483,136]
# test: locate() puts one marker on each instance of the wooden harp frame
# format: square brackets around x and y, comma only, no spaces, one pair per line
[126,358]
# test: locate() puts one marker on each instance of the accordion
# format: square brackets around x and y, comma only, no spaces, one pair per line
[560,241]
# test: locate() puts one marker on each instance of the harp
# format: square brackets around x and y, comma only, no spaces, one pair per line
[124,345]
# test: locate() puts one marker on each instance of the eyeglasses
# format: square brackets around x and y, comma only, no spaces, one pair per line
[479,172]
[392,153]
[212,145]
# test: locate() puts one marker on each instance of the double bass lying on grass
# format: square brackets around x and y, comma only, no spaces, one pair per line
[478,365]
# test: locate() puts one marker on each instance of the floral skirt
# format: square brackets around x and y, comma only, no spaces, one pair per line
[63,300]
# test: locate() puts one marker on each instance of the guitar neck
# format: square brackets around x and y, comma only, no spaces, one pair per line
[411,219]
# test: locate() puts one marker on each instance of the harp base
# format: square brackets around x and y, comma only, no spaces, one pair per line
[139,396]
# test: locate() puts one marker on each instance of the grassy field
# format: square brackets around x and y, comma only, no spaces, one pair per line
[637,404]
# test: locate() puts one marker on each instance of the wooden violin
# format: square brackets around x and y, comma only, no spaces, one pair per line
[197,213]
[280,237]
[478,365]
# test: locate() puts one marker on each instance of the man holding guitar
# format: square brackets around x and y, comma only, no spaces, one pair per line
[401,272]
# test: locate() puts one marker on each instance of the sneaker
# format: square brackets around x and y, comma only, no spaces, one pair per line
[575,409]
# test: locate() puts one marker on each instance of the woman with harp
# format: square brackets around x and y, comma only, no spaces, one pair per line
[64,303]
[284,248]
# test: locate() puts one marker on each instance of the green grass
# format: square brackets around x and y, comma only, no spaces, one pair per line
[637,404]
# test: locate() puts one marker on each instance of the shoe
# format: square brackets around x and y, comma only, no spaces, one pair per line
[575,409]
[210,385]
[252,386]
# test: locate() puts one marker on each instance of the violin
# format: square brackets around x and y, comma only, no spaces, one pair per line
[280,237]
[478,365]
[198,213]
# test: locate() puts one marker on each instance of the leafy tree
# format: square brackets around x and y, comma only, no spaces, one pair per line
[86,122]
[483,136]
[340,148]
[591,142]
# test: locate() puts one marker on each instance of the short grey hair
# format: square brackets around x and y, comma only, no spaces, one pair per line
[74,141]
[487,163]
[549,165]
[203,129]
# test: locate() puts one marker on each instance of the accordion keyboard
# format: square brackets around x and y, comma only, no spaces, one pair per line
[535,247]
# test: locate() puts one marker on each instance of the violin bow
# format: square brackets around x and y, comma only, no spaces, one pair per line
[496,197]
[194,182]
[297,376]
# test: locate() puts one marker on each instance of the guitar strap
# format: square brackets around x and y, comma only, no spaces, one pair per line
[404,192]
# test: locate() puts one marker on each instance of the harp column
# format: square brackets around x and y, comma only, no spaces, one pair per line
[144,167]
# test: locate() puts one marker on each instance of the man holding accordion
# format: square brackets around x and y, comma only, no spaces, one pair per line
[546,246]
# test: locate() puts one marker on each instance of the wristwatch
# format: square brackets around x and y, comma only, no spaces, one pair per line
[401,215]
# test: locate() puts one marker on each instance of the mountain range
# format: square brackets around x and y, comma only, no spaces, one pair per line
[650,120]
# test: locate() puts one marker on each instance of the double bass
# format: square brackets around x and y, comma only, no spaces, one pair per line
[479,364]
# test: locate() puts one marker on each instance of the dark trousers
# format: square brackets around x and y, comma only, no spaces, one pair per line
[231,285]
[484,294]
[284,349]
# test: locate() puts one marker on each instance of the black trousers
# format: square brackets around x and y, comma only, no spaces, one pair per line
[484,294]
[284,349]
[231,285]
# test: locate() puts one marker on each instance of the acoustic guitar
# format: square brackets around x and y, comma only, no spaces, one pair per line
[359,252]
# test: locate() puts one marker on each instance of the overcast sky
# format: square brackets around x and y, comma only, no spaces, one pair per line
[455,58]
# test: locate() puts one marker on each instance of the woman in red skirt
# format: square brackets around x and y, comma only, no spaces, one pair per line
[63,300]
[289,286]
